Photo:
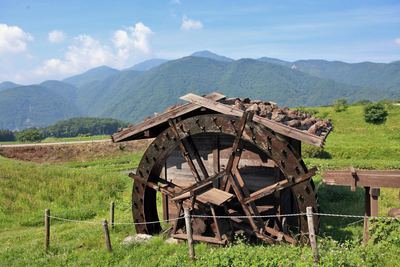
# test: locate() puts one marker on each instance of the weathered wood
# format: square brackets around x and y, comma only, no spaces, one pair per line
[216,222]
[189,234]
[273,125]
[201,238]
[112,209]
[279,186]
[366,178]
[185,153]
[131,132]
[367,214]
[197,156]
[47,228]
[165,197]
[107,236]
[374,193]
[311,234]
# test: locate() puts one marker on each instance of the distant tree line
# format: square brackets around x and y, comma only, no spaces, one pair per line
[67,128]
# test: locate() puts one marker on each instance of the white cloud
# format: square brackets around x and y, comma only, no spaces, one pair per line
[132,40]
[56,36]
[397,41]
[190,24]
[87,52]
[13,39]
[177,2]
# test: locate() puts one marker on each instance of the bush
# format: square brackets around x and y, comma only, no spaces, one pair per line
[83,127]
[340,105]
[315,152]
[7,135]
[375,113]
[30,135]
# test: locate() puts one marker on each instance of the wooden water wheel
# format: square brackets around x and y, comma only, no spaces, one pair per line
[233,174]
[235,163]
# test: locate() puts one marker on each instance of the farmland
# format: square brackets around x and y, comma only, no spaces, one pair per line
[82,189]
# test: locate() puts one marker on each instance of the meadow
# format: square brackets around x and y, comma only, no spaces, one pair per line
[83,191]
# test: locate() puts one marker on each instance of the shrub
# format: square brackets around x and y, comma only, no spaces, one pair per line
[340,105]
[315,152]
[7,135]
[375,113]
[30,135]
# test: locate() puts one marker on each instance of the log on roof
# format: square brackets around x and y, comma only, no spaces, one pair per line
[292,123]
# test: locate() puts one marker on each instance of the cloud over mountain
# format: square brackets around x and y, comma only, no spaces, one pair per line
[13,39]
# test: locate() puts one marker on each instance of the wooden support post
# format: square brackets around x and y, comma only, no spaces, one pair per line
[47,228]
[112,208]
[367,214]
[107,236]
[311,233]
[189,233]
[374,195]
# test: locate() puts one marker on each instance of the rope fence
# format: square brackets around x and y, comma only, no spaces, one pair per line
[361,217]
[187,216]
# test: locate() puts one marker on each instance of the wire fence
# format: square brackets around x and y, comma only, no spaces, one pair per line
[361,217]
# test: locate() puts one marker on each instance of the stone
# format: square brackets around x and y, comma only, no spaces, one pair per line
[172,240]
[139,238]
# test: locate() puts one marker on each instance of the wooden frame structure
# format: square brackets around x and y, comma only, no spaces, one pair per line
[371,180]
[220,186]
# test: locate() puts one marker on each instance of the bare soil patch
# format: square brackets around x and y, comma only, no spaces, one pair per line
[72,152]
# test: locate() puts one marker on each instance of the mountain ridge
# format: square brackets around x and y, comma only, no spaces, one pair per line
[131,94]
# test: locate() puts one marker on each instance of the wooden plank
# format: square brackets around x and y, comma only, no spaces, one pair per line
[201,238]
[125,134]
[185,153]
[366,178]
[273,125]
[279,186]
[214,196]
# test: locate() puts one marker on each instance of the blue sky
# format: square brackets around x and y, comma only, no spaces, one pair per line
[42,40]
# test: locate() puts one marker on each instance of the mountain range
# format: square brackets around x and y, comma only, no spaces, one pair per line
[150,86]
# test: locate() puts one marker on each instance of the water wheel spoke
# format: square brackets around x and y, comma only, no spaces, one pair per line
[183,147]
[268,190]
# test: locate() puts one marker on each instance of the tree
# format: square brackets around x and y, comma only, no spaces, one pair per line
[30,135]
[375,113]
[6,135]
[340,105]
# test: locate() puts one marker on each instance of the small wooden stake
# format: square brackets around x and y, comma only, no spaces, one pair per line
[311,232]
[189,233]
[107,235]
[47,228]
[112,207]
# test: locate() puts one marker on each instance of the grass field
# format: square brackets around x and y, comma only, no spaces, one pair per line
[83,191]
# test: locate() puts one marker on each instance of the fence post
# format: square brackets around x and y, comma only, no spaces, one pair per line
[107,235]
[367,214]
[311,233]
[189,232]
[112,207]
[47,228]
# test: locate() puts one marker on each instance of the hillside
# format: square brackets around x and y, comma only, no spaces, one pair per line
[7,85]
[373,77]
[148,64]
[82,190]
[92,75]
[153,85]
[242,78]
[34,106]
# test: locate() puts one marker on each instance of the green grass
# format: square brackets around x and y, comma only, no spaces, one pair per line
[83,191]
[65,139]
